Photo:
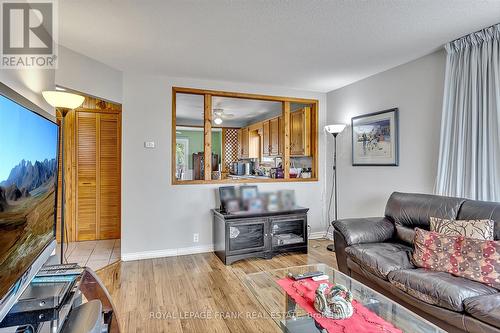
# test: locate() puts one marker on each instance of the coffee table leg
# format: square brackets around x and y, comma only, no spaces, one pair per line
[290,306]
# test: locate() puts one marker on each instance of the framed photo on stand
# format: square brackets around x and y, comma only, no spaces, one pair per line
[287,199]
[226,193]
[248,192]
[232,206]
[375,139]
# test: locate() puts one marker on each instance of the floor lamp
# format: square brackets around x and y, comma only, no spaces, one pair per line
[334,129]
[63,101]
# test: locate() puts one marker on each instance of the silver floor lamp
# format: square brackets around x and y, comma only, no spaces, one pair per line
[64,101]
[334,129]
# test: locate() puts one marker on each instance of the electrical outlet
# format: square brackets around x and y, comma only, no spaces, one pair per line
[196,238]
[149,144]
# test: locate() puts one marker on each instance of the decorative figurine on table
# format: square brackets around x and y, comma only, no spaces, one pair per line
[333,302]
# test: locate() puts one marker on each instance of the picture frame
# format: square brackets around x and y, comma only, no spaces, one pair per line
[375,138]
[248,192]
[287,199]
[226,193]
[273,203]
[232,206]
[255,205]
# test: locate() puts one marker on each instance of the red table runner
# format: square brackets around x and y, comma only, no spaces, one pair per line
[362,321]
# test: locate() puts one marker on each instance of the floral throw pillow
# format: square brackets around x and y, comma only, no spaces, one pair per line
[474,259]
[479,229]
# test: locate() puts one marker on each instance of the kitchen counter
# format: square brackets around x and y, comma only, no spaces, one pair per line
[247,177]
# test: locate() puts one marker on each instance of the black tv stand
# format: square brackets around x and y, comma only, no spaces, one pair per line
[87,303]
[245,235]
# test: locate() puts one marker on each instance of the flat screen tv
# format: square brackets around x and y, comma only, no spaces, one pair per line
[28,190]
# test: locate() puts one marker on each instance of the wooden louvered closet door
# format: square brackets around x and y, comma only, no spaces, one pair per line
[109,177]
[98,176]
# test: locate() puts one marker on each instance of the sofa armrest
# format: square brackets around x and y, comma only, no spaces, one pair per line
[365,230]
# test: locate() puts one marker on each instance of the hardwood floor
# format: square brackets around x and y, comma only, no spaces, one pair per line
[196,293]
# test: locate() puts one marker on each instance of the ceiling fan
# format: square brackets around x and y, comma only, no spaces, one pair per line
[220,115]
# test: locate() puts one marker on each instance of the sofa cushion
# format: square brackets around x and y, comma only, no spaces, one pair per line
[472,209]
[485,308]
[364,230]
[474,259]
[381,258]
[478,229]
[438,288]
[404,235]
[414,210]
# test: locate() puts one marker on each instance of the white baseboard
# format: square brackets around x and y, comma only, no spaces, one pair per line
[166,253]
[316,235]
[195,249]
[189,250]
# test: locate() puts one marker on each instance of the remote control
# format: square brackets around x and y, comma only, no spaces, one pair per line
[320,278]
[305,275]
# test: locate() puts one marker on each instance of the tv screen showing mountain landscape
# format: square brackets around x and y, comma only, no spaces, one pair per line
[28,174]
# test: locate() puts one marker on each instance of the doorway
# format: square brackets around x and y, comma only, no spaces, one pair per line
[92,150]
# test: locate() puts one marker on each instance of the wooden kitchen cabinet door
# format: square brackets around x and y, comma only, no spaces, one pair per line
[281,146]
[274,141]
[244,143]
[266,140]
[98,176]
[300,123]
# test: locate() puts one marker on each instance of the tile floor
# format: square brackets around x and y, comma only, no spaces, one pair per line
[93,254]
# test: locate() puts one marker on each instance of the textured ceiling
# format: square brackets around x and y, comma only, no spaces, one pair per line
[189,109]
[314,45]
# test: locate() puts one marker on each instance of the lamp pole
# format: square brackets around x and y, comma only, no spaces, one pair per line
[331,247]
[64,112]
[335,172]
[63,101]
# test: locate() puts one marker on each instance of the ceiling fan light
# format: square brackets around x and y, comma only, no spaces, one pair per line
[218,120]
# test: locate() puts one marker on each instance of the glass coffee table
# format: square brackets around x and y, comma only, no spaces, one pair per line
[292,318]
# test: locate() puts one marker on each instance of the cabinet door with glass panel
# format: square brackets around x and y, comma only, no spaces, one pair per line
[246,236]
[225,137]
[288,231]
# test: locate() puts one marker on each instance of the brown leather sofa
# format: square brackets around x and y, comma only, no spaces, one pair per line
[377,252]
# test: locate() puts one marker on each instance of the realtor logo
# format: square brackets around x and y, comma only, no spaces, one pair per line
[28,34]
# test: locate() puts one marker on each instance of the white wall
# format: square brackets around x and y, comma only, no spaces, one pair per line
[89,76]
[74,71]
[157,216]
[30,83]
[416,88]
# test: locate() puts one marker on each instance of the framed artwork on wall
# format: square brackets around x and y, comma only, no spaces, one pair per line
[375,139]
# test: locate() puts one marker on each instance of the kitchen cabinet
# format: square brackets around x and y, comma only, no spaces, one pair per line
[266,147]
[300,132]
[281,136]
[274,130]
[243,140]
[271,137]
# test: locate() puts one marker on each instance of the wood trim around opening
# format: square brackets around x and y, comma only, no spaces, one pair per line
[286,106]
[242,95]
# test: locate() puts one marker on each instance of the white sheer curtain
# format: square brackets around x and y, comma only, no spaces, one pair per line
[469,151]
